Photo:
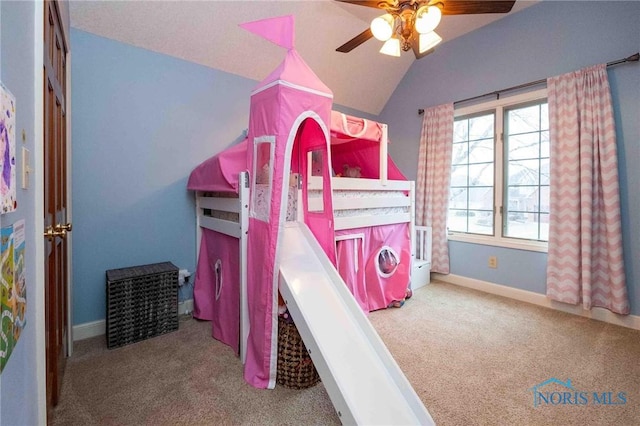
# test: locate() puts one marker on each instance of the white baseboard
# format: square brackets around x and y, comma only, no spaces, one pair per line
[98,328]
[600,314]
[89,329]
[185,307]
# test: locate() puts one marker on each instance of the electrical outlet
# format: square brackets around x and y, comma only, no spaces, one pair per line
[493,262]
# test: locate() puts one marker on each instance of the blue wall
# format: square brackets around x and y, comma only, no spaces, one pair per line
[545,40]
[141,122]
[19,399]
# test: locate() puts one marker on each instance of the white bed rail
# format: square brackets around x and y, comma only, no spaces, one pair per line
[359,203]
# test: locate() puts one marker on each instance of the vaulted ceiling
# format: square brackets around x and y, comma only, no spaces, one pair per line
[207,33]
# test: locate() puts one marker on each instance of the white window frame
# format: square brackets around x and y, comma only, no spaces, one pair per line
[498,106]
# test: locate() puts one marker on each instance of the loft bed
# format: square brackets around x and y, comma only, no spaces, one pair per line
[376,239]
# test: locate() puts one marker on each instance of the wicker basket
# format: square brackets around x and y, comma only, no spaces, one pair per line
[295,368]
[142,302]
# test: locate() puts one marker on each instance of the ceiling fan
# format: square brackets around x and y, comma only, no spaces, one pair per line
[410,24]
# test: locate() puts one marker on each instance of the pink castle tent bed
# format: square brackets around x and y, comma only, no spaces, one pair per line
[277,218]
[373,223]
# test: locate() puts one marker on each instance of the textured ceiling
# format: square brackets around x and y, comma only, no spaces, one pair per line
[207,33]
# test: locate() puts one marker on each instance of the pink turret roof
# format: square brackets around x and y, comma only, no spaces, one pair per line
[294,70]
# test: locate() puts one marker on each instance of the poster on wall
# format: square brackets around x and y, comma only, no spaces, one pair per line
[8,201]
[13,289]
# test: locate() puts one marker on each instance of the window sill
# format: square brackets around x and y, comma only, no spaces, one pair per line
[511,243]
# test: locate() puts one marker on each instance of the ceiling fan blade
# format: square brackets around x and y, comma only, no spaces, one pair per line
[367,3]
[470,7]
[356,41]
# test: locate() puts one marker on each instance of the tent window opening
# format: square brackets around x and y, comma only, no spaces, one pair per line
[316,163]
[387,262]
[263,152]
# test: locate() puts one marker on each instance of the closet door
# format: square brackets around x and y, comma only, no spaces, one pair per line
[55,200]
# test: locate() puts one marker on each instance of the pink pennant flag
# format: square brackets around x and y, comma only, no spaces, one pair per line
[279,30]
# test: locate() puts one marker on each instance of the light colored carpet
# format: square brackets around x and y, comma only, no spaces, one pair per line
[471,357]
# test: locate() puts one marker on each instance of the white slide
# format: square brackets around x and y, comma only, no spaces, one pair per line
[364,382]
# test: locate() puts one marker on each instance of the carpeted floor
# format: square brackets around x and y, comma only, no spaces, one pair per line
[473,359]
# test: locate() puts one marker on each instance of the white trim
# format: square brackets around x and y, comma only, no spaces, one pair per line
[245,325]
[599,314]
[353,222]
[89,329]
[504,101]
[38,212]
[69,206]
[360,184]
[489,240]
[355,237]
[384,154]
[293,86]
[185,307]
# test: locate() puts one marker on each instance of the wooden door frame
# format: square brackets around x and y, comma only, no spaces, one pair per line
[39,209]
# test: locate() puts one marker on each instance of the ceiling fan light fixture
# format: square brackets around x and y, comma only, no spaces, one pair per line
[382,27]
[427,19]
[428,41]
[391,47]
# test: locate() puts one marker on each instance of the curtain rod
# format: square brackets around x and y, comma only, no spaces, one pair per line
[632,58]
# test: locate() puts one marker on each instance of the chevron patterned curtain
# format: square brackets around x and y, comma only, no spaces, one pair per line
[434,174]
[585,259]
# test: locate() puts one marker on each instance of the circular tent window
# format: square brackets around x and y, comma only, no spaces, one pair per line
[387,262]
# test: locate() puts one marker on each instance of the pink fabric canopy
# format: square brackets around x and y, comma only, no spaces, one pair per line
[220,172]
[354,142]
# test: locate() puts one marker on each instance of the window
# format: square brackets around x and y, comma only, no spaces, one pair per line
[263,147]
[499,191]
[527,172]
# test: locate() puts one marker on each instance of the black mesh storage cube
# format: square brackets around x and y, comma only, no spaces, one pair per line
[142,302]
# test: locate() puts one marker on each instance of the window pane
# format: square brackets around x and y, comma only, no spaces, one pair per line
[482,224]
[461,131]
[527,176]
[471,194]
[544,144]
[522,225]
[544,199]
[523,120]
[544,171]
[544,227]
[525,146]
[459,175]
[481,151]
[481,127]
[458,198]
[460,153]
[544,116]
[523,199]
[525,172]
[481,174]
[481,198]
[457,220]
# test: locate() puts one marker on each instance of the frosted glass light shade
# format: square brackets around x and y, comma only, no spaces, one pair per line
[427,19]
[382,27]
[391,47]
[429,41]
